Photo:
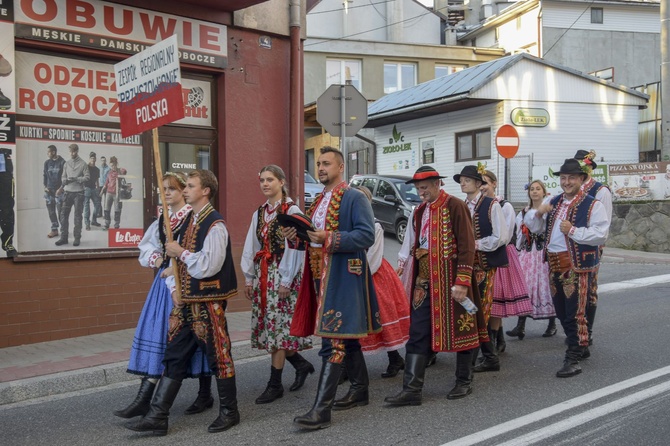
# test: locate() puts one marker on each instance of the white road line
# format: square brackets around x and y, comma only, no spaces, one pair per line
[548,412]
[589,415]
[634,283]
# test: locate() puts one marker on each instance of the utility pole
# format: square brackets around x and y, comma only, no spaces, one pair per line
[665,80]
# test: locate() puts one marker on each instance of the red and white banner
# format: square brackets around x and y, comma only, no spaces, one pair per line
[149,88]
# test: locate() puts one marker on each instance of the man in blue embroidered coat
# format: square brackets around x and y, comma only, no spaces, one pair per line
[603,194]
[337,300]
[198,319]
[575,225]
[439,251]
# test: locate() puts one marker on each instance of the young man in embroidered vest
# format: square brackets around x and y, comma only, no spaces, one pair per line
[207,276]
[439,250]
[603,194]
[575,225]
[490,253]
[337,294]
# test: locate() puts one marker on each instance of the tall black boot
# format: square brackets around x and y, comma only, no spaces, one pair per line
[274,389]
[491,363]
[344,375]
[412,382]
[551,328]
[229,416]
[358,377]
[156,420]
[463,386]
[590,317]
[520,329]
[501,343]
[396,364]
[431,359]
[475,355]
[204,399]
[142,401]
[319,416]
[303,368]
[571,362]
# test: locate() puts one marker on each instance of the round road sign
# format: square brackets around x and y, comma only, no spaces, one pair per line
[507,141]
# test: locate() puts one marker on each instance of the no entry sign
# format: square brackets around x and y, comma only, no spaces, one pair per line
[148,87]
[507,141]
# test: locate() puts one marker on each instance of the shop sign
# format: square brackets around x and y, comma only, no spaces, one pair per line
[119,29]
[530,117]
[396,143]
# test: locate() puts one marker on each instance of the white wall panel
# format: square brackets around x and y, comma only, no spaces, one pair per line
[615,18]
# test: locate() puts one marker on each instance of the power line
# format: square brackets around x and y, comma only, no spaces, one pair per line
[573,24]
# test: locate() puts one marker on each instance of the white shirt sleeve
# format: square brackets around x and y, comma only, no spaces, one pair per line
[497,238]
[519,233]
[150,246]
[595,234]
[251,247]
[604,196]
[407,242]
[536,224]
[376,251]
[510,220]
[293,260]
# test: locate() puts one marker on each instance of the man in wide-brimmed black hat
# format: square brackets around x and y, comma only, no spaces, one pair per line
[438,240]
[603,194]
[490,254]
[575,225]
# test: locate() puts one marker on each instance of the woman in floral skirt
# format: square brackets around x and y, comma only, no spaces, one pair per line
[535,268]
[273,272]
[146,354]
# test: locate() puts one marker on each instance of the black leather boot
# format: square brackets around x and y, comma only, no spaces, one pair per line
[274,389]
[412,382]
[204,399]
[463,386]
[229,416]
[520,330]
[501,344]
[142,401]
[475,355]
[344,375]
[319,416]
[491,363]
[431,360]
[590,318]
[396,364]
[358,377]
[551,328]
[303,368]
[571,363]
[156,420]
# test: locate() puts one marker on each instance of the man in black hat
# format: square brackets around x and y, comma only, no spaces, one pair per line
[490,253]
[603,194]
[439,250]
[575,225]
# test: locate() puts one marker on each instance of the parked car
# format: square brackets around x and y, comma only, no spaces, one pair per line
[392,200]
[312,189]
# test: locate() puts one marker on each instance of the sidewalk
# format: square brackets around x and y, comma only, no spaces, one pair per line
[55,367]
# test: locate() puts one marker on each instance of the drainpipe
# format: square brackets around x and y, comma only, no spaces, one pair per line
[296,137]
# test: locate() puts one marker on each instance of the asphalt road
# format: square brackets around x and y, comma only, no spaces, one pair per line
[621,398]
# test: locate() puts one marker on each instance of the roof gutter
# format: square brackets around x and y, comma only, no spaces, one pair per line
[416,107]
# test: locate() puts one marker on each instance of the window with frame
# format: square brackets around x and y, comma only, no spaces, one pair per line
[597,15]
[398,76]
[370,183]
[445,70]
[473,145]
[385,188]
[343,72]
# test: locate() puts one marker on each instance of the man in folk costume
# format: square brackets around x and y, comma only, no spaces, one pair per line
[337,300]
[207,274]
[439,251]
[602,193]
[490,253]
[575,225]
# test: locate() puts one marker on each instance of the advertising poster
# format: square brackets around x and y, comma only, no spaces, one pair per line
[7,130]
[111,210]
[642,181]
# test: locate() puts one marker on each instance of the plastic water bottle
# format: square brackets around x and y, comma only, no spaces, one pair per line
[469,306]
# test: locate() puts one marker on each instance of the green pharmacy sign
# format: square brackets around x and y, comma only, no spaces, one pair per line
[530,117]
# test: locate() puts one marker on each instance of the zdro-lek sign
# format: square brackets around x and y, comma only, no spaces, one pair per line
[148,87]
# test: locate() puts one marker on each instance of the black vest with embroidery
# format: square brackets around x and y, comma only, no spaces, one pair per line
[595,188]
[275,237]
[528,239]
[220,286]
[484,228]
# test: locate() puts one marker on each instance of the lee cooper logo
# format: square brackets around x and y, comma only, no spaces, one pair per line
[119,238]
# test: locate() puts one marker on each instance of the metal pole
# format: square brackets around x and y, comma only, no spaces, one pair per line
[507,179]
[343,130]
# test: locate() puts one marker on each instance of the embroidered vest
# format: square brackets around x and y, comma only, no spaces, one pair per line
[584,258]
[484,228]
[275,237]
[221,285]
[528,239]
[595,188]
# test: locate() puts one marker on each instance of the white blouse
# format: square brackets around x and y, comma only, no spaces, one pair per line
[150,245]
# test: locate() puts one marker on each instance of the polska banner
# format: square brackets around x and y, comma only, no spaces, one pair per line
[148,87]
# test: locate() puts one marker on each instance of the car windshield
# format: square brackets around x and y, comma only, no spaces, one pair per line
[309,178]
[408,192]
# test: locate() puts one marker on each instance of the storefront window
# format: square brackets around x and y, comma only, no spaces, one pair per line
[473,145]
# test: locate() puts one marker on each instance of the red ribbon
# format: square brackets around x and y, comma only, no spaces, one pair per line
[525,231]
[263,256]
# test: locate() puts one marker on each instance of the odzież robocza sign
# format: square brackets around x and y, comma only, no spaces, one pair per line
[148,87]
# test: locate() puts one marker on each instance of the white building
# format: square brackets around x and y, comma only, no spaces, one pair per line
[452,121]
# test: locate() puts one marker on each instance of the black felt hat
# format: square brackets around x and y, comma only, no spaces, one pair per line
[300,222]
[570,166]
[469,172]
[424,173]
[583,155]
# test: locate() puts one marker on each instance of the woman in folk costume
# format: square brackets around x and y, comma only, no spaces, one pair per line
[393,305]
[510,295]
[272,274]
[534,267]
[146,354]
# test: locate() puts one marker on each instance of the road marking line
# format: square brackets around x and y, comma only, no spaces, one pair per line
[633,283]
[589,415]
[548,412]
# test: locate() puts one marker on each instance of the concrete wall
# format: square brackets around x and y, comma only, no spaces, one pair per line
[641,226]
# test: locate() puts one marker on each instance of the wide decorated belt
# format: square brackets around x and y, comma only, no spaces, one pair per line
[559,262]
